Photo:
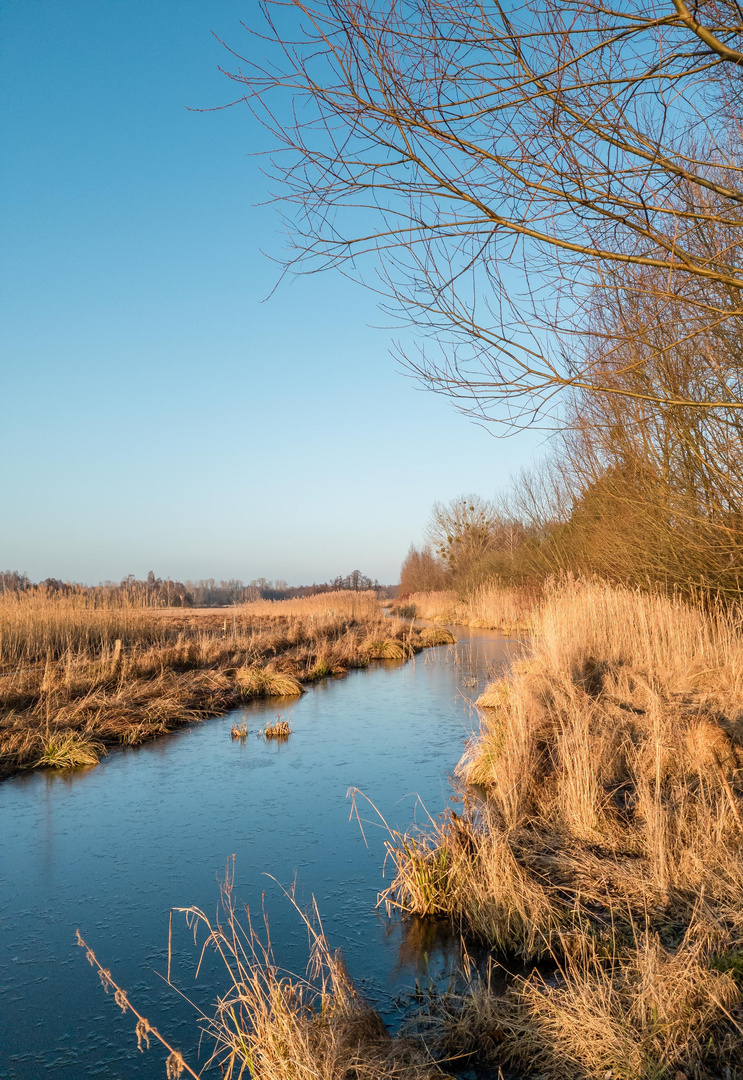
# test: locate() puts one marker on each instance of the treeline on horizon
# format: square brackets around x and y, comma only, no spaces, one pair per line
[153,591]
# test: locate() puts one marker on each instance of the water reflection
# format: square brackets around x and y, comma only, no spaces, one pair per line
[112,849]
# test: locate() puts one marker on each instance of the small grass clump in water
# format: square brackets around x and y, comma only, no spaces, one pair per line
[239,731]
[282,729]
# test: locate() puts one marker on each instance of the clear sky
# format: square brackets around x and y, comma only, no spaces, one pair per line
[156,412]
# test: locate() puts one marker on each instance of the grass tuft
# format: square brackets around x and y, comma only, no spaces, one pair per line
[258,682]
[387,649]
[282,729]
[68,750]
[437,635]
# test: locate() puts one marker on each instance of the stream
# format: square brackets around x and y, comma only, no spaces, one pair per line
[111,849]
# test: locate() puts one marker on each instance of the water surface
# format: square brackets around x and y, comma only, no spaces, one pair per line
[111,849]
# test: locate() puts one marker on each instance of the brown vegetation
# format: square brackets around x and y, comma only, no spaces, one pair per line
[608,835]
[489,606]
[272,1025]
[282,729]
[77,676]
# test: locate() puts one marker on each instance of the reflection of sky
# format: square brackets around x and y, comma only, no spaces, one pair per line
[155,411]
[110,850]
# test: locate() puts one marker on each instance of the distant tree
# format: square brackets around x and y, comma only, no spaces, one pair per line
[12,581]
[355,581]
[53,584]
[422,571]
[463,530]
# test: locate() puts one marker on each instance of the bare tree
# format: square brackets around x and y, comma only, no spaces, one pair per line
[422,571]
[498,160]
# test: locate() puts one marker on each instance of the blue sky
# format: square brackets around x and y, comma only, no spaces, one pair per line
[158,411]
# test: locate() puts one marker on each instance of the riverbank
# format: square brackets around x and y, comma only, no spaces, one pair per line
[607,838]
[76,677]
[489,607]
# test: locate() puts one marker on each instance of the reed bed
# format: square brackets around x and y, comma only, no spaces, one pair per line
[490,606]
[602,827]
[76,677]
[345,604]
[40,625]
[645,1013]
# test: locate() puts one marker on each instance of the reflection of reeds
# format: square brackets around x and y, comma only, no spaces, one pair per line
[272,1025]
[69,666]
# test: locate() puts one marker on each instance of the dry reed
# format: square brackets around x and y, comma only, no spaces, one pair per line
[282,729]
[92,676]
[604,829]
[644,1013]
[489,606]
[273,1025]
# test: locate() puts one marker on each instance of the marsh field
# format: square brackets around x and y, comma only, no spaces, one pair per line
[571,906]
[79,674]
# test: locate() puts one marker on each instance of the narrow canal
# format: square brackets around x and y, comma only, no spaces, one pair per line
[110,850]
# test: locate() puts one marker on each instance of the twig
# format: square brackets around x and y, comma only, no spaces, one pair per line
[175,1065]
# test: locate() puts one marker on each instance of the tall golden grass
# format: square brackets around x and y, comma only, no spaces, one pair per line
[608,835]
[488,606]
[38,624]
[76,675]
[344,604]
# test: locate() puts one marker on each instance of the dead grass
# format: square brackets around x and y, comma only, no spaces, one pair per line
[490,606]
[72,668]
[272,1025]
[604,829]
[261,682]
[239,731]
[282,729]
[437,635]
[344,604]
[68,750]
[645,1013]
